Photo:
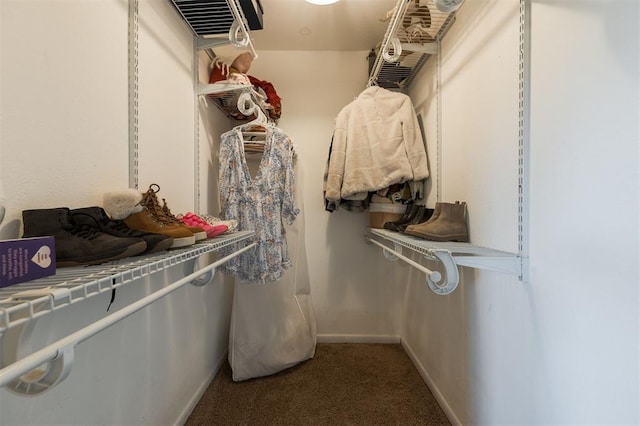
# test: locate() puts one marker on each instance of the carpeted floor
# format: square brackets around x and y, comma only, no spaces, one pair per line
[344,384]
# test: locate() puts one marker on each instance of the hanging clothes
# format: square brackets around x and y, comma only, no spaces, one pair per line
[377,142]
[259,203]
[273,327]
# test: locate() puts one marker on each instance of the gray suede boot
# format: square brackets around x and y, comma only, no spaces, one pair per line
[436,212]
[448,225]
[77,244]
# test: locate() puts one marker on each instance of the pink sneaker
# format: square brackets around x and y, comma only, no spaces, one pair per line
[191,219]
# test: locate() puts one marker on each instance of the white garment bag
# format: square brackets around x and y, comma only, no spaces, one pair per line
[273,325]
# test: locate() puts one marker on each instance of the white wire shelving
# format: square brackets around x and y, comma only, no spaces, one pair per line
[450,254]
[415,29]
[27,301]
[21,305]
[216,23]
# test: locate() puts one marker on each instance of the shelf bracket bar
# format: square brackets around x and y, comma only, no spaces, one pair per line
[504,264]
[428,48]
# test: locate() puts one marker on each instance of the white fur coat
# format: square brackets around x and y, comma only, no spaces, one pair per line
[376,143]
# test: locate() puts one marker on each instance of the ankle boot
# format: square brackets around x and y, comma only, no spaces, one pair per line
[409,213]
[198,231]
[450,225]
[98,219]
[423,215]
[436,212]
[77,244]
[416,211]
[128,206]
[150,200]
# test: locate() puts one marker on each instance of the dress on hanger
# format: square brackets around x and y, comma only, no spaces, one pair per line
[259,203]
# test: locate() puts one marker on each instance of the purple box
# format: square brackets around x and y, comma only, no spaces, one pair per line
[26,259]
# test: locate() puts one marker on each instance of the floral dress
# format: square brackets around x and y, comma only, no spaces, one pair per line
[259,203]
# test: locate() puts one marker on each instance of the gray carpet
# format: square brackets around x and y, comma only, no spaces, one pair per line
[344,384]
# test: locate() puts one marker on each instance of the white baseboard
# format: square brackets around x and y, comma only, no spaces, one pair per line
[182,418]
[432,386]
[356,338]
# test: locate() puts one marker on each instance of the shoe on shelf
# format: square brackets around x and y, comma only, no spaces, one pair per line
[150,199]
[422,215]
[75,243]
[145,216]
[191,219]
[97,218]
[231,224]
[409,214]
[198,231]
[448,225]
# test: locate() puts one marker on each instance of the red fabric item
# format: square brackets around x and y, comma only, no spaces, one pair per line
[272,96]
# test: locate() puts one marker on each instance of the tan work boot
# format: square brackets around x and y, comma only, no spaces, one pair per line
[199,232]
[449,225]
[146,221]
[129,206]
[150,200]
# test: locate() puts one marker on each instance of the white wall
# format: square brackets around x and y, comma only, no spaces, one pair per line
[64,142]
[584,258]
[352,289]
[563,347]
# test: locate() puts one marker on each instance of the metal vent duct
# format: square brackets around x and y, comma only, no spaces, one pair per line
[206,17]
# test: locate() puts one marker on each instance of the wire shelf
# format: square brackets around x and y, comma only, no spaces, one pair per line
[24,302]
[411,38]
[462,254]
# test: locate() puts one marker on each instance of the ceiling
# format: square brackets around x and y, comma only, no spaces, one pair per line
[298,25]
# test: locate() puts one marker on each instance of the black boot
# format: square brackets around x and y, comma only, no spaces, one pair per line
[409,213]
[98,219]
[423,215]
[77,244]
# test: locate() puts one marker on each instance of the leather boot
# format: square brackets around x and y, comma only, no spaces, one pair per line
[423,215]
[409,214]
[436,212]
[150,200]
[77,244]
[128,206]
[97,218]
[450,224]
[415,212]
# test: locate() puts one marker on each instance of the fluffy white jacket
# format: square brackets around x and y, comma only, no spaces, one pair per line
[376,143]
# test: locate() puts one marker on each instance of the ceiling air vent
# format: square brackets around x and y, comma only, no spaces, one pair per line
[210,17]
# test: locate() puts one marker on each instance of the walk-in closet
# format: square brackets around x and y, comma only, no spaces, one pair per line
[230,127]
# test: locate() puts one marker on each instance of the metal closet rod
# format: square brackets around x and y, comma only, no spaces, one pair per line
[63,348]
[433,275]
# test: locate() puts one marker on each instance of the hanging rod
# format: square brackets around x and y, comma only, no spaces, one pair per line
[26,377]
[433,277]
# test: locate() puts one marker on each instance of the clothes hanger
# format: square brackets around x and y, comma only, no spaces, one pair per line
[254,132]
